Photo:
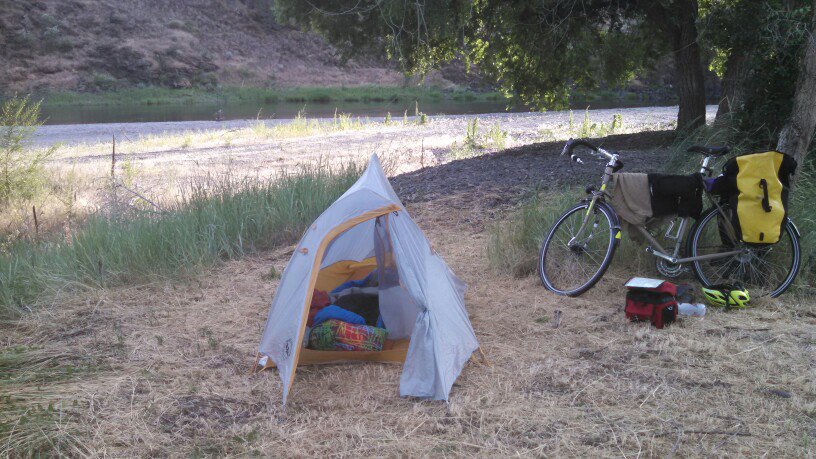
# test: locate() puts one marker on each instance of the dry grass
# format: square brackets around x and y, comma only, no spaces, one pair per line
[160,369]
[161,167]
[171,365]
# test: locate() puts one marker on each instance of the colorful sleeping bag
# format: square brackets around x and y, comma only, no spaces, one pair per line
[336,335]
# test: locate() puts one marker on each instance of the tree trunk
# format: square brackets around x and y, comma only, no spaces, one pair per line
[733,84]
[796,134]
[689,66]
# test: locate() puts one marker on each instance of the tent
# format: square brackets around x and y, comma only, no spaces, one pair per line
[421,301]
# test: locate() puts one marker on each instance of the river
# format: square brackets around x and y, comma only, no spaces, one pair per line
[63,114]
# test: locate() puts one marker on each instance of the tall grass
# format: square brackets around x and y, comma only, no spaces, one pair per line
[475,142]
[217,219]
[514,243]
[801,212]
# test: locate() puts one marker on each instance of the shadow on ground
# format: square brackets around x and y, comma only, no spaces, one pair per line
[503,178]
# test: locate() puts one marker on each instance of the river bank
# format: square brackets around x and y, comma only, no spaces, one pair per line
[519,125]
[158,104]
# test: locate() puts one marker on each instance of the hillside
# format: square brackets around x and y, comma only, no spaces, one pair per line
[90,45]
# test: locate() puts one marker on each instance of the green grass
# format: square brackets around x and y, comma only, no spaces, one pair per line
[34,420]
[475,142]
[514,242]
[233,94]
[801,212]
[216,220]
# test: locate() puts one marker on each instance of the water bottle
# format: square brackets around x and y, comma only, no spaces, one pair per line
[688,309]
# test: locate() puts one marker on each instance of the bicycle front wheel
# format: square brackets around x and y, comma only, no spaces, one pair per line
[762,270]
[578,249]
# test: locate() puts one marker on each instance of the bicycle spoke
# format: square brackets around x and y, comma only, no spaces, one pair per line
[570,267]
[760,269]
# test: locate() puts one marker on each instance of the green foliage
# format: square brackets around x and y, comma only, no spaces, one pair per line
[472,133]
[537,50]
[590,129]
[104,82]
[617,122]
[21,169]
[495,139]
[771,49]
[221,218]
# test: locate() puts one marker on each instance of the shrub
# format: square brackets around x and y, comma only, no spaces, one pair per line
[21,169]
[104,81]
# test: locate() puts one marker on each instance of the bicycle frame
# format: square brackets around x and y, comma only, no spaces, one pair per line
[655,248]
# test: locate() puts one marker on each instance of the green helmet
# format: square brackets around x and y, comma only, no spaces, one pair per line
[727,295]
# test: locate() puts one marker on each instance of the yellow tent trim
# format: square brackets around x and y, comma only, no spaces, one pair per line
[336,273]
[321,250]
[394,351]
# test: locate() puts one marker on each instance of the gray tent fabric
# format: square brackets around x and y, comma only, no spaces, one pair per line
[422,298]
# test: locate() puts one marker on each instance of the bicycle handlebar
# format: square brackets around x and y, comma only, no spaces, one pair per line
[572,143]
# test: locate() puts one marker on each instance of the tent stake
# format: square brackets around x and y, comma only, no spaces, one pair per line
[254,368]
[484,358]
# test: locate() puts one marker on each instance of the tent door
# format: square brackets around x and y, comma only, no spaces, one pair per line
[397,307]
[318,258]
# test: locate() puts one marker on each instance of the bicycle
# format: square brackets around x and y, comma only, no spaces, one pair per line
[581,244]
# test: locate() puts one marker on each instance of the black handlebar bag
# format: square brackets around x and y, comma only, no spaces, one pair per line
[756,186]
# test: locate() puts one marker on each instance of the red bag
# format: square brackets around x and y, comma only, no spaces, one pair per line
[654,304]
[320,300]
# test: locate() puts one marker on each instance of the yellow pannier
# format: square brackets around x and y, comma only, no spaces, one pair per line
[757,187]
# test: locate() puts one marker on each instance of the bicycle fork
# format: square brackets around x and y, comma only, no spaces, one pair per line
[592,203]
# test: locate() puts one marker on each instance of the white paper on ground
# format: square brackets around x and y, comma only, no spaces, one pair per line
[643,282]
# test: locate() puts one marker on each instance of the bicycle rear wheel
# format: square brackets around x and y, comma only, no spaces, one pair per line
[762,270]
[572,269]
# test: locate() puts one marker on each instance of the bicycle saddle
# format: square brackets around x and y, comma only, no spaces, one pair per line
[709,151]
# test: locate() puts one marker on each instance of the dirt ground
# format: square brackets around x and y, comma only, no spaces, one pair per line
[566,377]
